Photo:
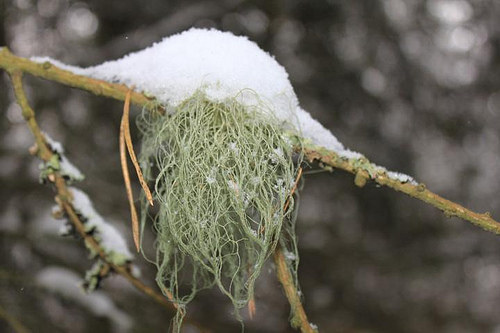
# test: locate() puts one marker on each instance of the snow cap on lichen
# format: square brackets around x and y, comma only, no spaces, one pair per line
[223,66]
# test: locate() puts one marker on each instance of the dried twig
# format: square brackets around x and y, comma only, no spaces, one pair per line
[130,147]
[124,135]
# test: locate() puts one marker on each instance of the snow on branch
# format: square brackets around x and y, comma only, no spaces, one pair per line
[221,65]
[108,237]
[224,67]
[329,157]
[59,162]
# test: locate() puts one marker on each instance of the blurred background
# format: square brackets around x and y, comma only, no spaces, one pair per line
[412,84]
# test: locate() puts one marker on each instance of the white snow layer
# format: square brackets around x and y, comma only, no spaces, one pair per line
[223,66]
[54,145]
[220,64]
[108,236]
[66,167]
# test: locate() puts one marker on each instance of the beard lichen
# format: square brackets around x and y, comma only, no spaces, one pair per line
[222,173]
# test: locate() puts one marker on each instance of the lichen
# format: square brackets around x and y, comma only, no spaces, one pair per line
[222,173]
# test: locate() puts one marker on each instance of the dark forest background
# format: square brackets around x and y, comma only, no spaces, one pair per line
[412,84]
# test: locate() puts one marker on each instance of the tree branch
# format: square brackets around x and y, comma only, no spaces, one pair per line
[299,317]
[64,199]
[364,171]
[48,71]
[360,167]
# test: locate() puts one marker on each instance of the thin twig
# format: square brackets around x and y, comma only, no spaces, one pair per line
[126,140]
[130,147]
[419,191]
[64,198]
[299,317]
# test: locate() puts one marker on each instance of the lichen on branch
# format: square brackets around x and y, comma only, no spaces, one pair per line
[362,168]
[222,174]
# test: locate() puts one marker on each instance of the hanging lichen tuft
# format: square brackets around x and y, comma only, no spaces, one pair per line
[222,173]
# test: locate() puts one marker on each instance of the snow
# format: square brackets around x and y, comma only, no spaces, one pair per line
[219,63]
[69,170]
[223,66]
[401,177]
[108,236]
[66,168]
[54,145]
[66,283]
[290,256]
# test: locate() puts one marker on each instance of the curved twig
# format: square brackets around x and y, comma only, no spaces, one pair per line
[64,198]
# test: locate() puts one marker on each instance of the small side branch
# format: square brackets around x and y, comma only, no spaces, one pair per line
[299,317]
[364,171]
[64,198]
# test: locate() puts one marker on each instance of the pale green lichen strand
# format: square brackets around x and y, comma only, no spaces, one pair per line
[222,174]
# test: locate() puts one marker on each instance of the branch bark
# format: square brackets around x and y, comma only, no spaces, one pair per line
[362,171]
[48,71]
[299,317]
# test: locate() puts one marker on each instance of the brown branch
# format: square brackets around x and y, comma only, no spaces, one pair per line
[363,170]
[299,317]
[64,199]
[49,71]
